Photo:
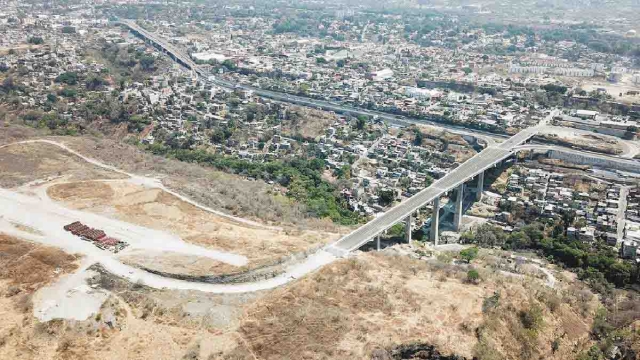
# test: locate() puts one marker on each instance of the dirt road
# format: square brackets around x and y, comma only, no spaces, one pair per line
[142,180]
[38,218]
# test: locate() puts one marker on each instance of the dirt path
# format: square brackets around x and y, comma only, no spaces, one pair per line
[145,181]
[47,219]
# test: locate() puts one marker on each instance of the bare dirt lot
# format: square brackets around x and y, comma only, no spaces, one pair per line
[24,163]
[24,268]
[134,323]
[157,209]
[308,123]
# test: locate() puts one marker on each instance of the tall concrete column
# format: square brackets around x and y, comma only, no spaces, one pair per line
[457,215]
[378,242]
[480,186]
[407,228]
[435,220]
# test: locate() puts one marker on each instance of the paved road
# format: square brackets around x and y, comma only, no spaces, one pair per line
[472,167]
[630,164]
[274,95]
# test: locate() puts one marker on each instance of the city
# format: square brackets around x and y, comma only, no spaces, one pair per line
[286,180]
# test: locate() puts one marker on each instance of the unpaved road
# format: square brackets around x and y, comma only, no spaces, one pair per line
[46,218]
[142,180]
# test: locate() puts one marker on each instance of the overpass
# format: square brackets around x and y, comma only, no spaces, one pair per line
[184,60]
[404,211]
[160,43]
[456,179]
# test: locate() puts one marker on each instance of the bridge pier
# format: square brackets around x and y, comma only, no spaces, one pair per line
[435,219]
[407,229]
[457,215]
[378,242]
[480,186]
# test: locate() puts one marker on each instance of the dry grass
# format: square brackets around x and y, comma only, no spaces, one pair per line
[306,122]
[10,133]
[353,308]
[157,209]
[24,163]
[229,193]
[86,191]
[218,190]
[25,267]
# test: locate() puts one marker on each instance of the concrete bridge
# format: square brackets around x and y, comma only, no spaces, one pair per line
[471,170]
[160,44]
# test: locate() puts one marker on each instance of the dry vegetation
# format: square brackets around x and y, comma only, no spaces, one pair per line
[157,209]
[358,307]
[308,123]
[24,163]
[229,193]
[11,133]
[218,190]
[134,323]
[377,305]
[25,266]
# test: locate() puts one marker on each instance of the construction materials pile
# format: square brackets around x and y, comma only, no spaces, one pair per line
[98,237]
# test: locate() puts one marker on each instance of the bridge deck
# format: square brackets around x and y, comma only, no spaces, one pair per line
[365,233]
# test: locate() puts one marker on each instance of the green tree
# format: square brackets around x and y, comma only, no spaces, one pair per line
[469,254]
[36,40]
[473,276]
[95,82]
[147,62]
[69,78]
[343,172]
[230,65]
[418,138]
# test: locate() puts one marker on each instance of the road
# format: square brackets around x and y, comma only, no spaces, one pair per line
[343,109]
[46,218]
[623,163]
[629,148]
[472,167]
[145,181]
[293,99]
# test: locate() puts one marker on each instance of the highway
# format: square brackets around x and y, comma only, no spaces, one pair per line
[467,170]
[491,155]
[616,162]
[486,136]
[399,120]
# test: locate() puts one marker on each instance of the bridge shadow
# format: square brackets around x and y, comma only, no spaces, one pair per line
[385,242]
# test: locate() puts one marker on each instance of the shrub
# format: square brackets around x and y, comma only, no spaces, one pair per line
[491,302]
[473,276]
[532,319]
[469,254]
